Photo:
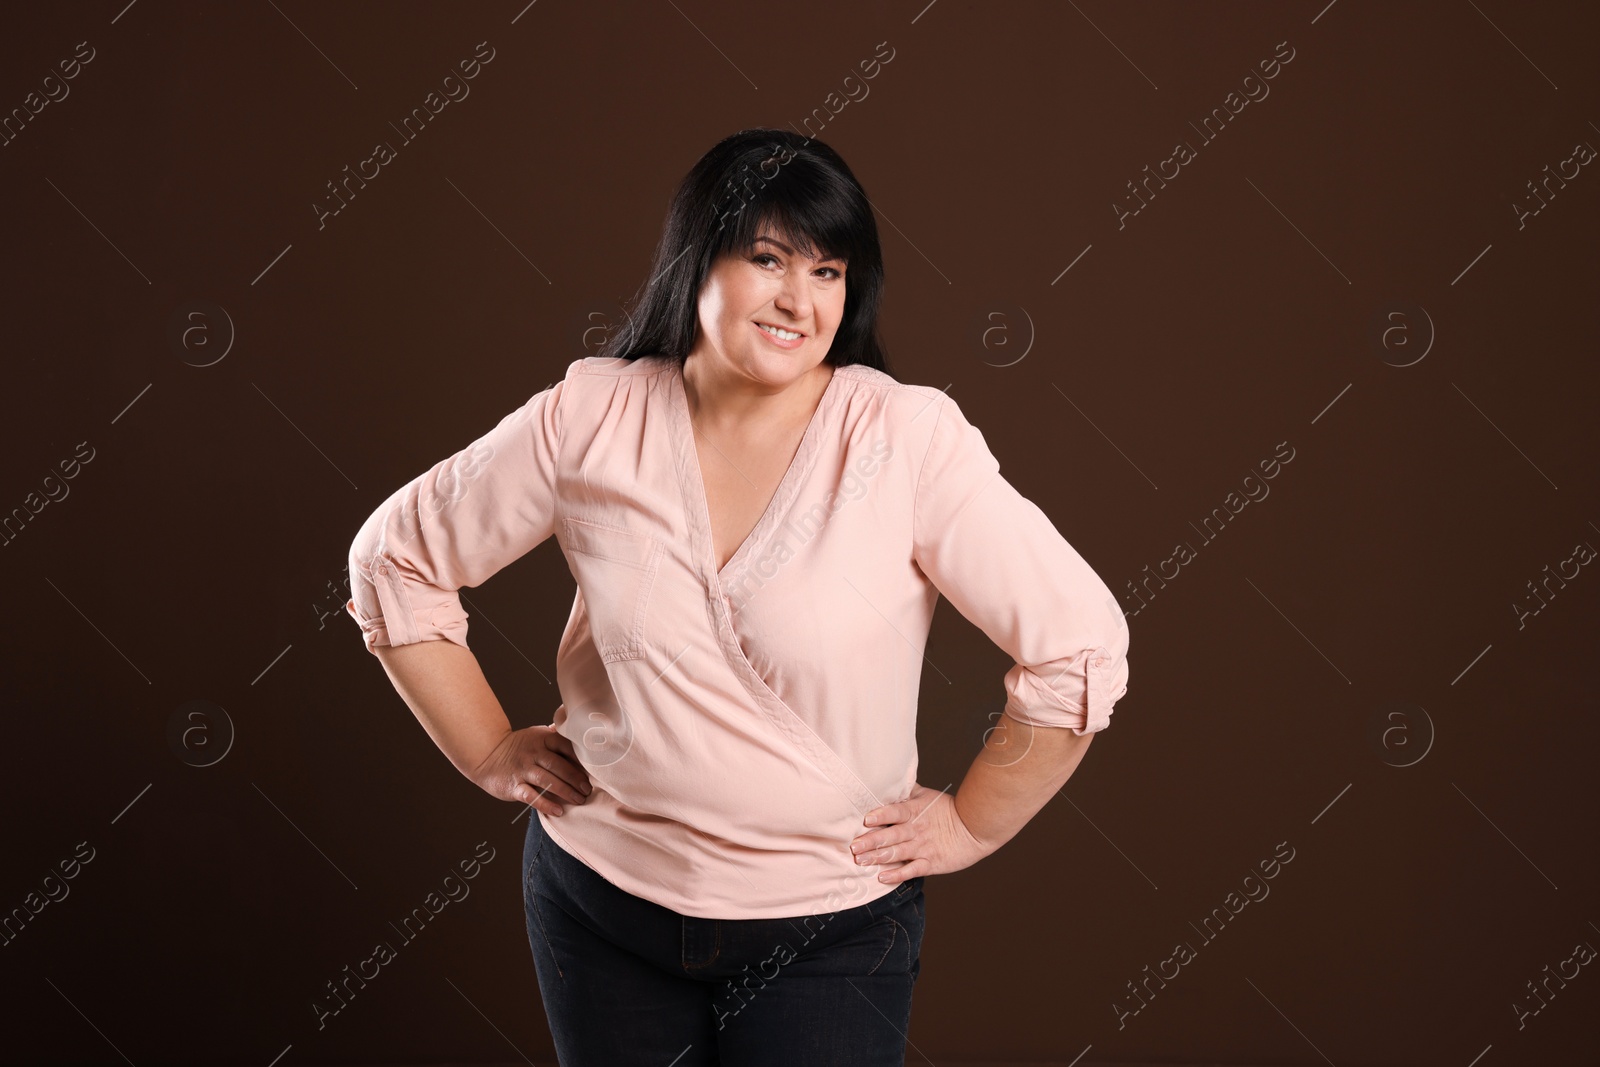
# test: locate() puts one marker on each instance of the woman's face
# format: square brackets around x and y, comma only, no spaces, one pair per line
[772,284]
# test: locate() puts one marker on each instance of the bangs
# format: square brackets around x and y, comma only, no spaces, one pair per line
[815,225]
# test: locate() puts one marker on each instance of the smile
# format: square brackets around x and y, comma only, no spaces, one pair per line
[787,338]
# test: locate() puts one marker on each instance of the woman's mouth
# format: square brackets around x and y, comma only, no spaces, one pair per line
[789,339]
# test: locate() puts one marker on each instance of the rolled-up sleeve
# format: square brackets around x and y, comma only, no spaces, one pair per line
[1000,561]
[455,525]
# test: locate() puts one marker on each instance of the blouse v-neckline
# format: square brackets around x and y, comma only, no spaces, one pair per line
[692,480]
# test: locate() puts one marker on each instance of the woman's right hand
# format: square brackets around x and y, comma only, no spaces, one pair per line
[536,766]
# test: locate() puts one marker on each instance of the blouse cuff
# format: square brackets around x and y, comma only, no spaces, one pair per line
[399,621]
[1075,693]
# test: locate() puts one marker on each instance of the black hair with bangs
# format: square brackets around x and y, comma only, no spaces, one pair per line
[757,181]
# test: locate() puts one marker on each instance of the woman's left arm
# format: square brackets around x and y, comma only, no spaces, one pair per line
[1002,563]
[1018,770]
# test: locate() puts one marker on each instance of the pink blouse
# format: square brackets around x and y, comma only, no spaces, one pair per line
[737,724]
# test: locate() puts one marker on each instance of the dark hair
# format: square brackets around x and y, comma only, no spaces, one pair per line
[753,181]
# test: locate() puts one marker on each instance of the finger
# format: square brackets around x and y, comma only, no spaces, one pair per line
[882,837]
[888,851]
[535,797]
[903,871]
[881,816]
[561,777]
[563,761]
[551,784]
[577,774]
[547,792]
[896,854]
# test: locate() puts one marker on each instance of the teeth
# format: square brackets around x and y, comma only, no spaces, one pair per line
[784,335]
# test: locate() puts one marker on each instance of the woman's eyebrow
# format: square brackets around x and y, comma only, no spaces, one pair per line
[786,248]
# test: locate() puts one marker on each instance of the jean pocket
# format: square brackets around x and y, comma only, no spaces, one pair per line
[890,946]
[907,889]
[615,569]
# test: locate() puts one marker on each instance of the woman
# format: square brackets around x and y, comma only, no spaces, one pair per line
[728,858]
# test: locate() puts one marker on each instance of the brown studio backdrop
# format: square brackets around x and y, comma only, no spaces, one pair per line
[198,554]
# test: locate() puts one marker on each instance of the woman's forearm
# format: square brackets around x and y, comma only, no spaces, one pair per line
[445,688]
[1018,770]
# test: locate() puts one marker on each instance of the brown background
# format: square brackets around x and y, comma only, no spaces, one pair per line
[200,553]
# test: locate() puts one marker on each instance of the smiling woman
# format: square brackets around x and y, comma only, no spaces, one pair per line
[808,214]
[736,751]
[767,321]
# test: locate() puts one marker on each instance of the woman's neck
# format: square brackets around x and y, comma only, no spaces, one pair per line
[733,406]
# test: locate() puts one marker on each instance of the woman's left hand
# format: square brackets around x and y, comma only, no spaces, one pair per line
[920,835]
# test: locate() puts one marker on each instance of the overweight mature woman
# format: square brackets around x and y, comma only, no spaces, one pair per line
[729,850]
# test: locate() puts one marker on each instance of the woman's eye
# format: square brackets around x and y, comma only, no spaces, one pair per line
[834,273]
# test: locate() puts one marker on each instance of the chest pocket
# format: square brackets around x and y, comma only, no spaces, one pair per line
[615,570]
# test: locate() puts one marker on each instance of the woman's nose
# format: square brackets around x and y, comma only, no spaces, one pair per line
[795,299]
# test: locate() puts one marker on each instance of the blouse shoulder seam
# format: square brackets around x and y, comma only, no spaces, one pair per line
[616,368]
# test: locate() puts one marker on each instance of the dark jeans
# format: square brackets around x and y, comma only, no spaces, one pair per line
[626,981]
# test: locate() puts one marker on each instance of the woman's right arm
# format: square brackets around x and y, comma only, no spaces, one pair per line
[446,690]
[455,525]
